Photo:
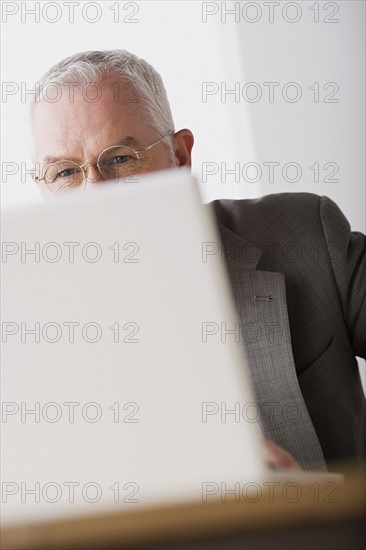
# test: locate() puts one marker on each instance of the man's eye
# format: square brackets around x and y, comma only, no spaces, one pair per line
[66,173]
[121,159]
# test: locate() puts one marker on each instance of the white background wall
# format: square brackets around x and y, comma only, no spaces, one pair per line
[198,46]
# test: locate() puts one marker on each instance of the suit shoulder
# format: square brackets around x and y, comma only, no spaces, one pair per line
[284,203]
[281,214]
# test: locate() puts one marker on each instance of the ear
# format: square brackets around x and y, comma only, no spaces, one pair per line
[183,143]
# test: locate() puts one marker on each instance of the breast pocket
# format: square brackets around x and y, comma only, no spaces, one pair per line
[321,356]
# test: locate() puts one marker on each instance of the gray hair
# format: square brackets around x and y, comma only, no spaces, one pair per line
[93,67]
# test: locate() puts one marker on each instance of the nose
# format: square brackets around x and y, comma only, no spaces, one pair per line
[92,176]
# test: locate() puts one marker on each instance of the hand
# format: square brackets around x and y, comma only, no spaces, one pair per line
[278,458]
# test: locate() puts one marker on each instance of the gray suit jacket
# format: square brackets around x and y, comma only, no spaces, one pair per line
[299,279]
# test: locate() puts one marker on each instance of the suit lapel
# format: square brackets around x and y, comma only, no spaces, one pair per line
[260,297]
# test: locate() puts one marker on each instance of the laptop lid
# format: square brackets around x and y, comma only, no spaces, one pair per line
[120,384]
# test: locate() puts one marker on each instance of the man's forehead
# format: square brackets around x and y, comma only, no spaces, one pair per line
[75,104]
[65,126]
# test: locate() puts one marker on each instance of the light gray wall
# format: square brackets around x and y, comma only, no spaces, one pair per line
[305,132]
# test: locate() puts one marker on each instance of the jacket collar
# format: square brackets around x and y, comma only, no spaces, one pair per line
[238,250]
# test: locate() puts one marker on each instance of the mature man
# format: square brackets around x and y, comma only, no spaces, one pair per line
[313,302]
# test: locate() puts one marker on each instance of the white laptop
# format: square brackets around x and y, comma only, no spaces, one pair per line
[114,379]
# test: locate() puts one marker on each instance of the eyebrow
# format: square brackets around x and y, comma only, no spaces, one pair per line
[129,141]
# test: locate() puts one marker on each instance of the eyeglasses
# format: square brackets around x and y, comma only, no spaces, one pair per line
[118,162]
